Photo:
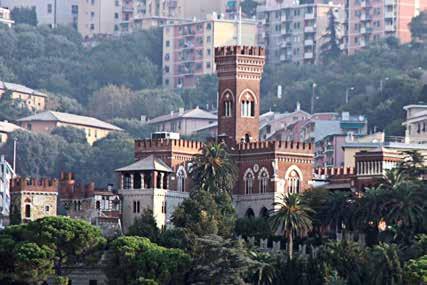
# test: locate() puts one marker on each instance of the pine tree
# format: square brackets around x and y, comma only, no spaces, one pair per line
[330,48]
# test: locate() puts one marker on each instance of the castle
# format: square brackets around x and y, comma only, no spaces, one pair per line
[159,179]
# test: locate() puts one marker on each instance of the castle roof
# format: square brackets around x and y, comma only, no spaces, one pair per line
[148,163]
[70,119]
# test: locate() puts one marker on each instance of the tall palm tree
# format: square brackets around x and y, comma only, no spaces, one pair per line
[213,170]
[292,217]
[386,266]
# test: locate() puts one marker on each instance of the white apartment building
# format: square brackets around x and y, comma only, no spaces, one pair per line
[6,174]
[5,17]
[49,12]
[416,124]
[294,33]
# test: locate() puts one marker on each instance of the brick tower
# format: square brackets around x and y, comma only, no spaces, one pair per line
[239,72]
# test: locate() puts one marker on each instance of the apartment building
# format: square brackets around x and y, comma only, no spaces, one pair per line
[188,49]
[5,17]
[416,124]
[294,33]
[47,121]
[49,12]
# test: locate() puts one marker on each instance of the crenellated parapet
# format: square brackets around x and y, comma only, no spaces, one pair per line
[69,189]
[336,171]
[159,145]
[25,184]
[239,50]
[276,146]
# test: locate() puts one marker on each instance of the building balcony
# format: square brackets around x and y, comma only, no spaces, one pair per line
[309,16]
[309,29]
[389,14]
[309,42]
[308,55]
[365,18]
[283,18]
[364,30]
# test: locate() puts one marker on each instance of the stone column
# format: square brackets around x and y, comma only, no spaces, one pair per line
[122,180]
[161,180]
[154,178]
[131,181]
[142,181]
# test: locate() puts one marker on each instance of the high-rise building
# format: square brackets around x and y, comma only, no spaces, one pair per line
[49,12]
[295,33]
[188,49]
[6,174]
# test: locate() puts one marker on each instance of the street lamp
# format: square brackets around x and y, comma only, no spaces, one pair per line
[347,94]
[313,94]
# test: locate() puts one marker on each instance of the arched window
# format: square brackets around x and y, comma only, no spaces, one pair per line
[247,138]
[250,213]
[249,181]
[27,211]
[228,108]
[263,178]
[264,213]
[180,176]
[247,105]
[293,182]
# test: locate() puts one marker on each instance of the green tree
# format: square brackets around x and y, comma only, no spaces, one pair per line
[253,227]
[12,109]
[71,134]
[204,94]
[249,8]
[219,261]
[136,258]
[292,217]
[418,27]
[330,49]
[336,210]
[134,127]
[145,226]
[24,15]
[386,265]
[415,271]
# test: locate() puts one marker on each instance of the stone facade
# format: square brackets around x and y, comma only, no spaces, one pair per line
[33,199]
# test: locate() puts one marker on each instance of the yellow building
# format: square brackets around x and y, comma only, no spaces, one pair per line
[188,48]
[35,101]
[47,121]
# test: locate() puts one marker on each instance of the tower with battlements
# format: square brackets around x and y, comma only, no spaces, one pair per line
[239,73]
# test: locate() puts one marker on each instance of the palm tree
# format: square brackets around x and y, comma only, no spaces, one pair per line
[292,217]
[406,208]
[386,265]
[337,210]
[213,170]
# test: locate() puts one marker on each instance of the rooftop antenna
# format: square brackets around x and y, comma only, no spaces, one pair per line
[240,27]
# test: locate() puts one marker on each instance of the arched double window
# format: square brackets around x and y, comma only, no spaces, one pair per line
[247,105]
[181,175]
[250,213]
[263,178]
[294,182]
[249,181]
[227,104]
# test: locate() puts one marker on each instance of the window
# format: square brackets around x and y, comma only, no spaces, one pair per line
[116,15]
[127,182]
[228,108]
[98,205]
[293,182]
[168,43]
[27,211]
[263,178]
[164,207]
[167,69]
[46,209]
[208,39]
[247,108]
[74,9]
[167,57]
[92,14]
[208,51]
[49,8]
[249,181]
[92,27]
[181,175]
[93,282]
[92,2]
[209,26]
[208,65]
[136,206]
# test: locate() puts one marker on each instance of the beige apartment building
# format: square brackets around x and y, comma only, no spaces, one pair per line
[46,122]
[33,100]
[189,49]
[295,33]
[5,17]
[5,129]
